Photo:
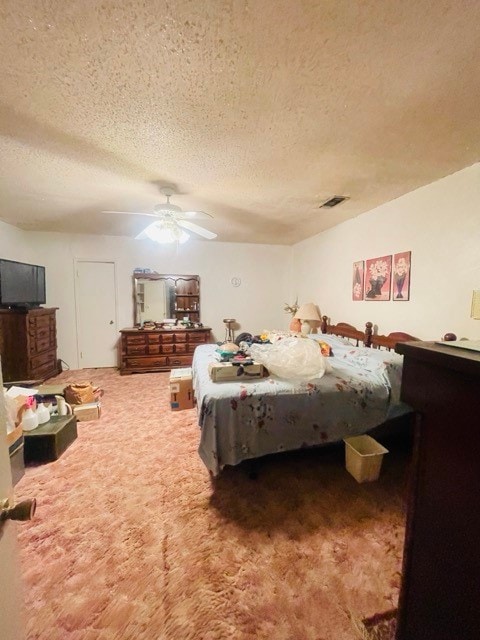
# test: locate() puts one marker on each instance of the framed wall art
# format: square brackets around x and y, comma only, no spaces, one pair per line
[378,275]
[401,276]
[357,280]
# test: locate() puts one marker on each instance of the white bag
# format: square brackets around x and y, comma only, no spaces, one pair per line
[291,358]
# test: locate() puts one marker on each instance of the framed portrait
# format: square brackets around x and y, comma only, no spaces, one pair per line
[357,280]
[401,276]
[378,275]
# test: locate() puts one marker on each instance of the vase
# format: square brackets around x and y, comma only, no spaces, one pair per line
[295,325]
[376,285]
[400,280]
[306,328]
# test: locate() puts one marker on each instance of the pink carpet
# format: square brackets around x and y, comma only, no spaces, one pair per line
[131,542]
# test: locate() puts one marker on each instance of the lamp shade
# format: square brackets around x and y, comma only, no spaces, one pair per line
[307,312]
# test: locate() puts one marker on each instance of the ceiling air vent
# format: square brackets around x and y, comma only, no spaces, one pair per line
[332,202]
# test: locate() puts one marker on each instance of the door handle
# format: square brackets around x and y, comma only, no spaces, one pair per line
[111,321]
[22,511]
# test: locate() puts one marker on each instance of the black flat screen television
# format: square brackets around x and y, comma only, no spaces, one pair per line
[21,284]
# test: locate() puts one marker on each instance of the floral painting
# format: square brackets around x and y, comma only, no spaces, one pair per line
[378,274]
[357,280]
[401,276]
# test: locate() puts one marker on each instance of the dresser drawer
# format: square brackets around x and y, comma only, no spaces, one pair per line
[46,370]
[191,346]
[40,322]
[153,338]
[137,349]
[141,339]
[160,348]
[167,348]
[197,337]
[181,348]
[147,362]
[40,332]
[180,337]
[153,349]
[179,361]
[39,345]
[48,358]
[167,338]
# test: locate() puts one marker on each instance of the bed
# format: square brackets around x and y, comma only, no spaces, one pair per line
[252,418]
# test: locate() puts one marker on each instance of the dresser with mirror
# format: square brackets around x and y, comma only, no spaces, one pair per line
[167,325]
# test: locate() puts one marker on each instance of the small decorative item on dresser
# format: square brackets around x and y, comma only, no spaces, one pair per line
[295,324]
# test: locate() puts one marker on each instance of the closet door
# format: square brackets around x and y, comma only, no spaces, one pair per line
[96,304]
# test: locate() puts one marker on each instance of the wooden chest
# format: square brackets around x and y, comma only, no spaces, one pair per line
[28,344]
[159,349]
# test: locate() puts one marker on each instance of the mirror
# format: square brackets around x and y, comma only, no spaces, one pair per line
[158,297]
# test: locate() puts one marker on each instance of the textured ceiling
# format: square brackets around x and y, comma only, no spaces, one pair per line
[256,110]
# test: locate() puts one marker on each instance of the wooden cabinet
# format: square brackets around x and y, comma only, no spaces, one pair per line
[187,298]
[28,344]
[441,566]
[159,349]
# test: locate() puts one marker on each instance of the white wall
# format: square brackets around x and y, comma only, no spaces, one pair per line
[15,244]
[256,304]
[440,224]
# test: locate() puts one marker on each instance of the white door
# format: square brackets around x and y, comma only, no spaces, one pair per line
[96,306]
[11,627]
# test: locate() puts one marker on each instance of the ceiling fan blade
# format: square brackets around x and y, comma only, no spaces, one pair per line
[142,235]
[195,228]
[196,214]
[134,213]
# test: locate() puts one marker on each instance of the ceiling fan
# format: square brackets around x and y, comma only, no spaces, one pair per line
[172,223]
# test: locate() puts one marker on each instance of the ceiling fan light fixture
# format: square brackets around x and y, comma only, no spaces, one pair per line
[166,233]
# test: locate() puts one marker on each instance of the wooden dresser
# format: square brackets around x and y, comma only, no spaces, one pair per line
[440,589]
[28,344]
[159,349]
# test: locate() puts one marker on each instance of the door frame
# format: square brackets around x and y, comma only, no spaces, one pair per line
[11,577]
[76,262]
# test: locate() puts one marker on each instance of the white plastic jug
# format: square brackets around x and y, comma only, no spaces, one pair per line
[43,414]
[29,420]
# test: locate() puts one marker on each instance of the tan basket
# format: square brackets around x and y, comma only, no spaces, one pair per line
[363,458]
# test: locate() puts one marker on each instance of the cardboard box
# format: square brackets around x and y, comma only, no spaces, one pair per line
[51,389]
[13,437]
[226,371]
[181,389]
[87,411]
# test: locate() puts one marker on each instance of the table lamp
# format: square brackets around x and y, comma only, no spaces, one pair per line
[308,314]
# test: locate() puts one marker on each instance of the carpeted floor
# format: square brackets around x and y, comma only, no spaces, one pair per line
[130,541]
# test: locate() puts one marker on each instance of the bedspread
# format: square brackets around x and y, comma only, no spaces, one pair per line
[252,418]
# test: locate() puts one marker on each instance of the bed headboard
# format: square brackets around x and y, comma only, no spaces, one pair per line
[389,342]
[346,330]
[367,337]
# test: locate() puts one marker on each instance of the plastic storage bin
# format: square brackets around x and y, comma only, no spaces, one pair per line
[363,457]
